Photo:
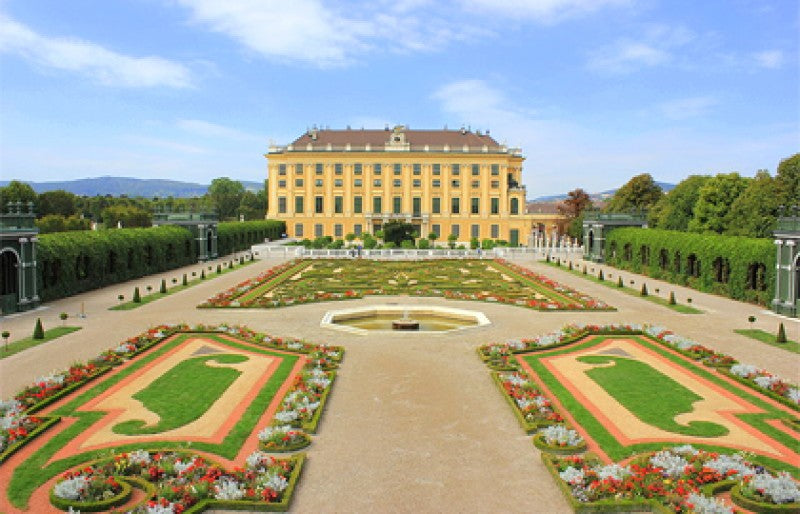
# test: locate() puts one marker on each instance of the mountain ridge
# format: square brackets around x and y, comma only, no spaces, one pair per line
[129,186]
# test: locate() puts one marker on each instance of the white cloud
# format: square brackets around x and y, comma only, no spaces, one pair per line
[685,108]
[103,65]
[771,59]
[214,130]
[655,47]
[545,11]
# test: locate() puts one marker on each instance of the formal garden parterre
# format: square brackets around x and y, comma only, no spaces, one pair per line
[669,424]
[176,419]
[304,281]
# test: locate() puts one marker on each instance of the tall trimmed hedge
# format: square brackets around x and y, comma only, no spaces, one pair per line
[741,268]
[236,236]
[74,262]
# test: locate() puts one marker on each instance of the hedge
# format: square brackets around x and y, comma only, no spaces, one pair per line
[741,268]
[236,236]
[73,262]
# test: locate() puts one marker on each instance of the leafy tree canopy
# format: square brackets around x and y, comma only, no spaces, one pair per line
[396,232]
[226,195]
[17,191]
[788,181]
[754,212]
[58,202]
[675,209]
[714,202]
[640,193]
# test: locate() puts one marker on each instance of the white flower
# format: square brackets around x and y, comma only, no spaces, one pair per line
[287,416]
[735,462]
[160,509]
[258,460]
[560,435]
[705,505]
[779,489]
[685,449]
[141,457]
[276,482]
[572,475]
[181,466]
[766,381]
[614,471]
[72,488]
[744,370]
[793,394]
[671,464]
[228,489]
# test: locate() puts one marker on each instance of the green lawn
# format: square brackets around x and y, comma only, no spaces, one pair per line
[649,383]
[766,337]
[678,307]
[183,394]
[29,342]
[147,298]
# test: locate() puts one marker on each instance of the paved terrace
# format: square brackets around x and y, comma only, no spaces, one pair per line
[415,423]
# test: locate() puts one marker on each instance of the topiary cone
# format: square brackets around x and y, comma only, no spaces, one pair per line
[781,337]
[672,298]
[136,297]
[38,330]
[643,292]
[203,275]
[619,282]
[185,280]
[219,268]
[600,275]
[163,286]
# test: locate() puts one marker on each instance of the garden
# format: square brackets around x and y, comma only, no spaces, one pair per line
[635,417]
[305,281]
[177,419]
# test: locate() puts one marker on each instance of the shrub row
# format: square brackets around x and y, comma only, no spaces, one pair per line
[737,267]
[73,262]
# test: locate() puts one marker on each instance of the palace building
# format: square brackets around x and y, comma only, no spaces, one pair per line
[335,182]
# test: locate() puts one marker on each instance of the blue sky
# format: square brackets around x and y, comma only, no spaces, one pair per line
[593,91]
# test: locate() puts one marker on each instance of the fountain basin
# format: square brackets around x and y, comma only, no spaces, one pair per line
[403,318]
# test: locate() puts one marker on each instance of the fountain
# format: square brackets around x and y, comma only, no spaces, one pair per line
[412,319]
[405,323]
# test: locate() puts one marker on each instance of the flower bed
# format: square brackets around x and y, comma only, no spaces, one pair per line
[678,479]
[282,438]
[300,281]
[559,439]
[532,409]
[303,404]
[17,427]
[180,481]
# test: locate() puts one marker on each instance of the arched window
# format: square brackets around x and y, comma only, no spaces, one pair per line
[663,259]
[693,265]
[644,252]
[627,252]
[722,270]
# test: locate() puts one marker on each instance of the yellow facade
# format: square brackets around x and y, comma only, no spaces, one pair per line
[321,187]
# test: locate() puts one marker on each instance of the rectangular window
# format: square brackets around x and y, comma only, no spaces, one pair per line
[437,183]
[376,182]
[281,183]
[298,230]
[416,205]
[281,169]
[337,230]
[376,169]
[357,204]
[298,169]
[495,170]
[416,183]
[318,230]
[358,168]
[357,182]
[455,183]
[495,206]
[475,205]
[455,230]
[495,184]
[298,182]
[476,170]
[436,205]
[398,169]
[337,182]
[318,204]
[337,168]
[455,169]
[298,205]
[281,205]
[357,229]
[495,231]
[475,231]
[318,168]
[476,184]
[338,204]
[397,182]
[417,169]
[397,204]
[318,182]
[437,169]
[455,205]
[376,204]
[436,229]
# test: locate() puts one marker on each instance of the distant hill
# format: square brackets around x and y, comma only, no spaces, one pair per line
[116,186]
[602,195]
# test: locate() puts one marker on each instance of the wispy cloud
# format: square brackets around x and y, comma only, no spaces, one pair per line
[214,130]
[655,47]
[544,11]
[770,59]
[102,65]
[685,108]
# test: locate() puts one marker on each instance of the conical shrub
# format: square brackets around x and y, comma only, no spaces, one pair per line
[163,286]
[600,275]
[781,337]
[619,282]
[643,292]
[137,298]
[672,298]
[185,280]
[38,330]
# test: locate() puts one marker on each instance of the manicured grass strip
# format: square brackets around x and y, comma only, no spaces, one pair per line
[273,282]
[126,306]
[673,398]
[30,342]
[183,394]
[35,471]
[766,337]
[678,307]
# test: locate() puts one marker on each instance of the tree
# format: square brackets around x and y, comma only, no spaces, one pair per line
[640,193]
[675,209]
[755,212]
[714,202]
[451,240]
[577,200]
[129,216]
[788,181]
[253,205]
[17,191]
[38,330]
[51,223]
[396,232]
[226,195]
[57,202]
